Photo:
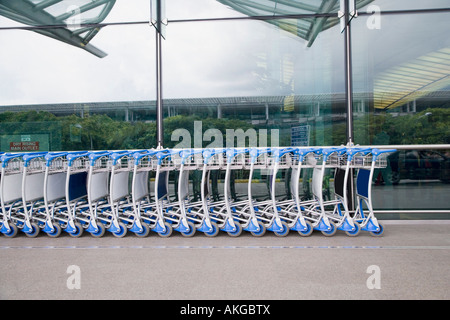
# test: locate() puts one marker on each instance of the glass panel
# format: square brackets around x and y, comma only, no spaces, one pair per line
[58,97]
[401,88]
[413,180]
[401,96]
[251,74]
[71,14]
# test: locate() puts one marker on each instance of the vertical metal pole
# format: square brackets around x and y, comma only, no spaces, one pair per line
[159,103]
[349,98]
[348,74]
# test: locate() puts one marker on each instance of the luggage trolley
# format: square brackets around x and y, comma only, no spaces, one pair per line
[140,193]
[303,159]
[340,159]
[221,212]
[342,218]
[15,214]
[304,211]
[205,213]
[34,181]
[226,212]
[290,209]
[367,164]
[175,212]
[10,193]
[120,206]
[191,214]
[120,195]
[162,161]
[121,164]
[232,211]
[261,217]
[213,159]
[146,211]
[54,187]
[101,209]
[69,215]
[315,209]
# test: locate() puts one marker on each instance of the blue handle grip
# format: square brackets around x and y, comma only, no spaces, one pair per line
[72,156]
[208,153]
[9,156]
[49,157]
[30,156]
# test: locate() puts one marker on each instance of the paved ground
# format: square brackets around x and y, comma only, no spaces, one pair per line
[411,261]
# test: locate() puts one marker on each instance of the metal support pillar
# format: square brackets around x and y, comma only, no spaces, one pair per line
[159,103]
[349,97]
[348,74]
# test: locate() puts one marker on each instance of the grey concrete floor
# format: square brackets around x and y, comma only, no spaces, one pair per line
[411,261]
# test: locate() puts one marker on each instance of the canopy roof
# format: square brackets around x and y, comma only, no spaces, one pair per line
[412,79]
[61,19]
[307,28]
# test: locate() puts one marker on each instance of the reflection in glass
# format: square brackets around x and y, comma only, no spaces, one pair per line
[68,15]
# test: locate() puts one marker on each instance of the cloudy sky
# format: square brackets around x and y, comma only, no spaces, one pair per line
[204,59]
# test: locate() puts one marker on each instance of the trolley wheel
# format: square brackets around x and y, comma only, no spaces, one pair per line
[12,232]
[122,232]
[378,233]
[78,232]
[145,231]
[284,232]
[331,232]
[191,230]
[101,231]
[308,231]
[237,232]
[214,232]
[261,232]
[34,231]
[355,232]
[168,231]
[56,232]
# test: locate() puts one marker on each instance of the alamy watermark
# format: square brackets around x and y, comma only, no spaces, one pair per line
[74,20]
[374,280]
[74,280]
[233,137]
[374,20]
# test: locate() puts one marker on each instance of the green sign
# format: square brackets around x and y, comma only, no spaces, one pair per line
[25,142]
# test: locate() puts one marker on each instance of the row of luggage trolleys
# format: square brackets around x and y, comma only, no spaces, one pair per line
[99,191]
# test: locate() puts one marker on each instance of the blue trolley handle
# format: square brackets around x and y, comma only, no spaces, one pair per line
[94,155]
[277,153]
[232,153]
[49,157]
[186,153]
[256,152]
[115,156]
[72,156]
[30,156]
[8,156]
[209,153]
[138,155]
[326,152]
[160,155]
[351,152]
[301,153]
[377,152]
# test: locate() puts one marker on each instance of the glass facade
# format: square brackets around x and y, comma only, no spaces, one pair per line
[81,75]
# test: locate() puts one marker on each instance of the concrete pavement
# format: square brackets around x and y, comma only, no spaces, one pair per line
[411,261]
